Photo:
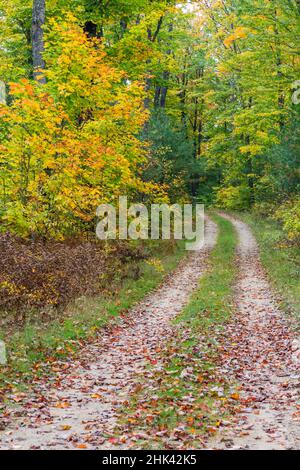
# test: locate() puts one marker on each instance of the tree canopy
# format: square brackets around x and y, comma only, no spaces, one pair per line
[149,98]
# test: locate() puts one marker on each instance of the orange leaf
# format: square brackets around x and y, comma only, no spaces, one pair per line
[64,404]
[65,427]
[235,396]
[96,396]
[81,446]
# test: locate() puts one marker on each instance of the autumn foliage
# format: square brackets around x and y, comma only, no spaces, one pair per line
[149,99]
[42,275]
[70,145]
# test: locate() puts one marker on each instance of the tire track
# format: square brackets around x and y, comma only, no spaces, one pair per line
[261,352]
[81,409]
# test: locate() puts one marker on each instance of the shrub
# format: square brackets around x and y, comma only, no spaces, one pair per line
[234,197]
[264,209]
[42,274]
[289,215]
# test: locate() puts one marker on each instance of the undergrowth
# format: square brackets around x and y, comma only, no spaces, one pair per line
[34,349]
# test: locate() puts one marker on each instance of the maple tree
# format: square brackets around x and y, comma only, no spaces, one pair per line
[125,82]
[71,143]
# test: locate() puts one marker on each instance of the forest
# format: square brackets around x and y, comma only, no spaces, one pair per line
[149,98]
[162,101]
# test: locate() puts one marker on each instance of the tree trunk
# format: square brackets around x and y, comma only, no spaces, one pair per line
[164,90]
[38,21]
[281,99]
[90,29]
[2,93]
[152,37]
[157,96]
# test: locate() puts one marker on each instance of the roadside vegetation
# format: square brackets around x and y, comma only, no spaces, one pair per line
[281,259]
[37,340]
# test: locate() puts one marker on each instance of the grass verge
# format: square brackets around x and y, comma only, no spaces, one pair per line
[183,398]
[34,350]
[280,259]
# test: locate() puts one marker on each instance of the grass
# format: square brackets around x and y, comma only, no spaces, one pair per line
[280,259]
[211,302]
[33,350]
[183,394]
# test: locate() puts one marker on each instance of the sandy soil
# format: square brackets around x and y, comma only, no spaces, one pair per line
[262,353]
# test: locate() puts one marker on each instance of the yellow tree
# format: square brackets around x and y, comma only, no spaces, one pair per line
[70,144]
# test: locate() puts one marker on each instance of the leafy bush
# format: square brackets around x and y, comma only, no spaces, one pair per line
[264,209]
[234,197]
[43,274]
[289,215]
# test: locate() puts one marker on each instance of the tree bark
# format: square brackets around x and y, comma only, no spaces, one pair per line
[157,96]
[38,21]
[2,93]
[152,37]
[164,90]
[90,28]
